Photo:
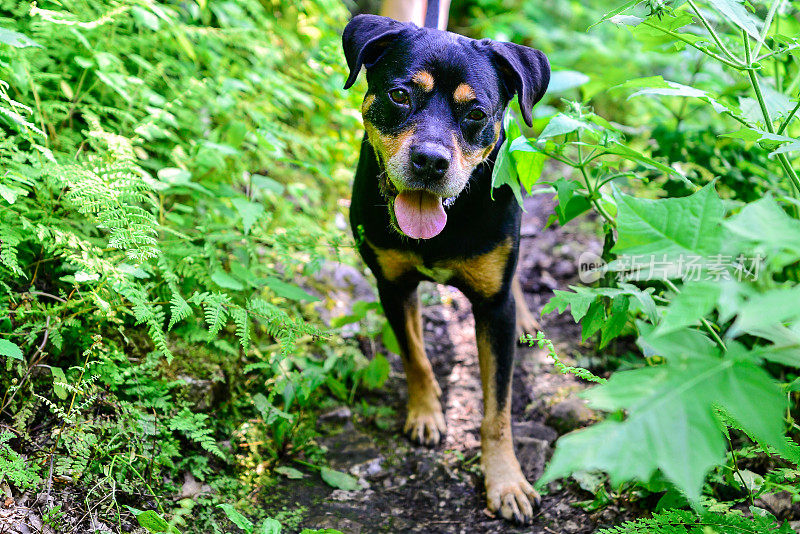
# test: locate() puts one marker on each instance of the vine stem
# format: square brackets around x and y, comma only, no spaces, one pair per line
[786,122]
[784,161]
[600,209]
[736,469]
[715,36]
[700,48]
[703,320]
[767,23]
[592,191]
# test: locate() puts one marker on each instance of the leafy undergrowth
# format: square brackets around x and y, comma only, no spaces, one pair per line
[699,266]
[168,176]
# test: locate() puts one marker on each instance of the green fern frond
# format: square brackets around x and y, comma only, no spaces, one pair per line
[9,239]
[179,309]
[242,321]
[684,522]
[216,312]
[194,427]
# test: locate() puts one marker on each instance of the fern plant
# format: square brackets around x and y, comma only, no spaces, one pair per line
[164,204]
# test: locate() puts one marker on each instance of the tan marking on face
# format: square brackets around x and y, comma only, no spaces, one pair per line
[469,159]
[395,263]
[424,79]
[388,145]
[484,273]
[463,94]
[368,101]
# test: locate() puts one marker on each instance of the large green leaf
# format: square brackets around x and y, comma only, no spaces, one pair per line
[682,344]
[236,517]
[289,291]
[528,161]
[766,309]
[694,301]
[563,124]
[249,211]
[152,522]
[677,89]
[570,204]
[671,424]
[690,225]
[505,172]
[737,14]
[578,300]
[766,228]
[563,80]
[12,350]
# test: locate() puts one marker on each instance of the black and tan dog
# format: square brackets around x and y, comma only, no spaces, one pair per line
[422,209]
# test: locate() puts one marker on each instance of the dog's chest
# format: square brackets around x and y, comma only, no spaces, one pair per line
[482,273]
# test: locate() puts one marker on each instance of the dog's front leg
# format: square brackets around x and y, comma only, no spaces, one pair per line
[507,490]
[425,420]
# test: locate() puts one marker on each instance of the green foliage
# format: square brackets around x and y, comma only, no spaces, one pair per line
[168,172]
[681,522]
[268,526]
[14,467]
[546,344]
[706,141]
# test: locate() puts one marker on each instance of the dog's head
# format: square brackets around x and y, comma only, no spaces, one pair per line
[434,108]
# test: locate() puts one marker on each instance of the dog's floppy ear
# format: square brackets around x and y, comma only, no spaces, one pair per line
[365,39]
[525,71]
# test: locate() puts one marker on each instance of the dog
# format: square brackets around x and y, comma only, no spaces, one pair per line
[423,209]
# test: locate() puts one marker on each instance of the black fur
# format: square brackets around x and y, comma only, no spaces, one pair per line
[392,53]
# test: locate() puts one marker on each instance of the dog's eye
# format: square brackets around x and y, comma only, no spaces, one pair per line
[476,115]
[399,96]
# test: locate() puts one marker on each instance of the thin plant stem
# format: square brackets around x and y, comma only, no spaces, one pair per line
[788,119]
[703,320]
[715,36]
[706,51]
[776,53]
[736,469]
[600,209]
[592,191]
[767,23]
[784,161]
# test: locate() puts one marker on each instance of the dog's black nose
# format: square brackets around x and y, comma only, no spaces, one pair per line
[430,159]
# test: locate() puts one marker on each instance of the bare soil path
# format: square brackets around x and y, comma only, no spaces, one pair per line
[415,489]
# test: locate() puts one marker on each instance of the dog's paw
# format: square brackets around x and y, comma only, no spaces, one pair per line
[526,324]
[425,424]
[510,494]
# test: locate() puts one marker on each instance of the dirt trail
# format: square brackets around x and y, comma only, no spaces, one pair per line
[415,489]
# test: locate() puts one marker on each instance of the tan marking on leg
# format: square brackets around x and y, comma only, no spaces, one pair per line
[424,79]
[395,263]
[425,419]
[526,322]
[484,273]
[368,101]
[507,490]
[463,94]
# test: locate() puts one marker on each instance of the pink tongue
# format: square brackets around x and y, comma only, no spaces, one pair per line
[419,214]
